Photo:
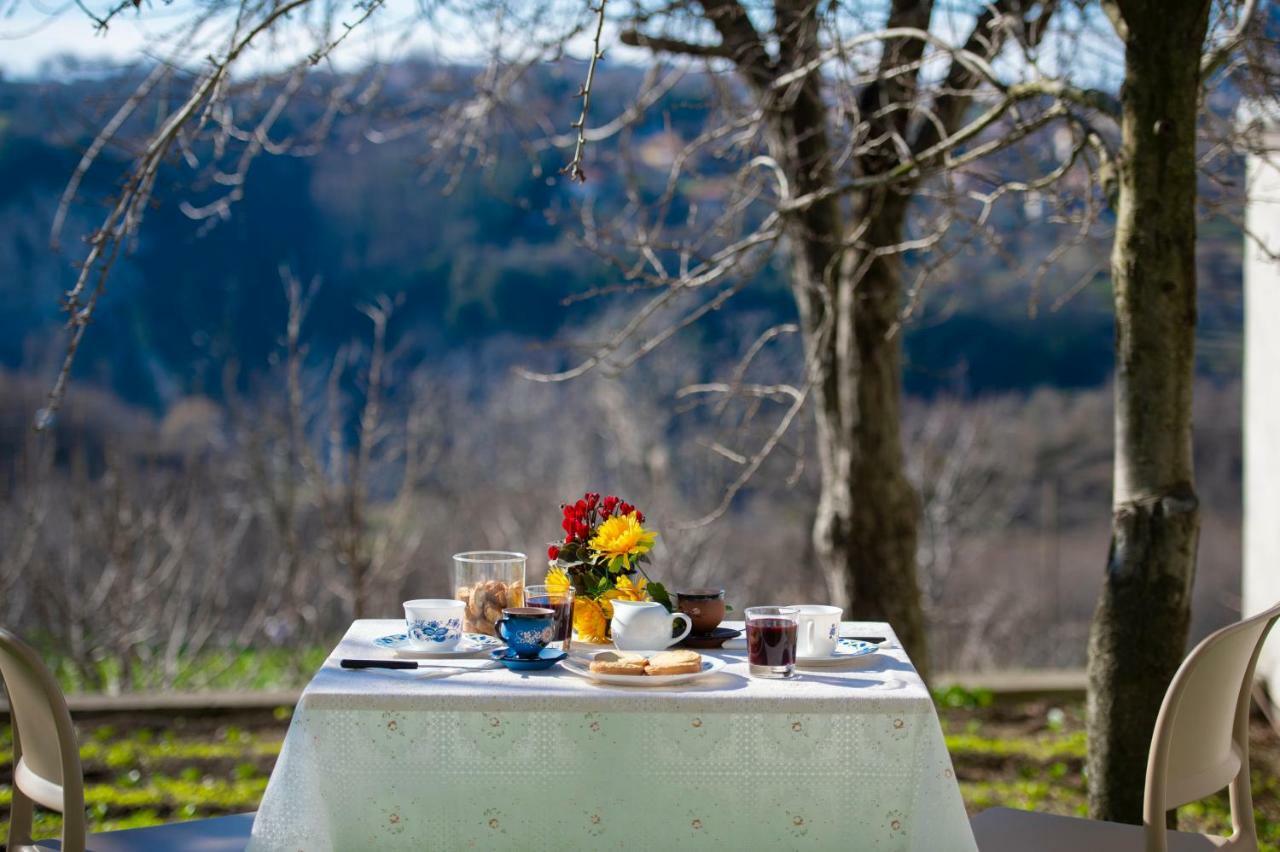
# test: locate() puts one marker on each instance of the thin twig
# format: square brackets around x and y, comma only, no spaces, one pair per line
[574,168]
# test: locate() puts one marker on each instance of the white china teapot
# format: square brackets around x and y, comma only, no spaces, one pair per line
[645,625]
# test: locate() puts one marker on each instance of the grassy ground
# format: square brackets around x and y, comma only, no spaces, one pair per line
[1024,755]
[1031,755]
[227,669]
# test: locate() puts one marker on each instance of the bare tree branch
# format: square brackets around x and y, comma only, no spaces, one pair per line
[574,168]
[1230,43]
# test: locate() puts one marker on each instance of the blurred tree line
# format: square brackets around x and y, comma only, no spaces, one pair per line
[486,253]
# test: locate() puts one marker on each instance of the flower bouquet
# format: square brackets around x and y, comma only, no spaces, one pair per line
[603,550]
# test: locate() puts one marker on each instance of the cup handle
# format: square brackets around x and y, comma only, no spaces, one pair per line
[688,626]
[808,634]
[498,627]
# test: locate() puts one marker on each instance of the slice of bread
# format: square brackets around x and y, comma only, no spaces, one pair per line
[674,662]
[618,662]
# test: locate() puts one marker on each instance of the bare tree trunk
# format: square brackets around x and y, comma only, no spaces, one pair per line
[845,275]
[1139,629]
[865,530]
[880,550]
[864,533]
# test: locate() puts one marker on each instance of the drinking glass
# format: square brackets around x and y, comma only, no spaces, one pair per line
[561,603]
[488,581]
[771,640]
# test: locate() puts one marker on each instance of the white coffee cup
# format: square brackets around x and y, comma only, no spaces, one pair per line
[434,624]
[645,626]
[819,630]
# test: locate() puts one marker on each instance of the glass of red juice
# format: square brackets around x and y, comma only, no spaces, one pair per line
[559,601]
[771,640]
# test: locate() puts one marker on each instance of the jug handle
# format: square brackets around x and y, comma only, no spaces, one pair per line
[688,626]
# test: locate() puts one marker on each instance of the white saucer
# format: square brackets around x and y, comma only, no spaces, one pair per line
[846,649]
[580,667]
[470,645]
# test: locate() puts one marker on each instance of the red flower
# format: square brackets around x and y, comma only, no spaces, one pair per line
[610,503]
[580,529]
[640,516]
[567,524]
[592,499]
[626,508]
[553,552]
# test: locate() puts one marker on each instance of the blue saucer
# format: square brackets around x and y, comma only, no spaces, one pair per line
[546,658]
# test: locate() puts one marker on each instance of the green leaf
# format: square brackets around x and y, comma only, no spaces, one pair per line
[658,592]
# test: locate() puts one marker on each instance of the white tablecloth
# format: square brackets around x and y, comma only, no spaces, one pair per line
[833,759]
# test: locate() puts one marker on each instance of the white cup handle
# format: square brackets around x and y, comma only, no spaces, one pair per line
[808,634]
[688,626]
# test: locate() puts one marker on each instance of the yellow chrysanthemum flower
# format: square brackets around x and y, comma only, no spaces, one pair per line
[557,580]
[629,591]
[591,615]
[623,590]
[589,621]
[621,539]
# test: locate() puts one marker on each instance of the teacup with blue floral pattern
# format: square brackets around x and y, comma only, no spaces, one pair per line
[527,629]
[434,624]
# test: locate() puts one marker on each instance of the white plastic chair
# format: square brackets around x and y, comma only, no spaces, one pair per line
[46,771]
[1200,745]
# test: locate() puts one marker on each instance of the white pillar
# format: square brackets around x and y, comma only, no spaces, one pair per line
[1262,401]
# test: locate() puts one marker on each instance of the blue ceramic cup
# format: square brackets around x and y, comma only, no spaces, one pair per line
[526,629]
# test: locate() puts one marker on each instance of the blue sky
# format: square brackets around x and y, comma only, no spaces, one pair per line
[35,33]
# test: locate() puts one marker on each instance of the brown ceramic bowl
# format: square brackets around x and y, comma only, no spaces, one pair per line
[705,608]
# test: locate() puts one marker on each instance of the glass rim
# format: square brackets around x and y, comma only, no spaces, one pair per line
[527,612]
[545,589]
[498,556]
[768,611]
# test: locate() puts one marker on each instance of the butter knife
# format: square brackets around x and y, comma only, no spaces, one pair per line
[472,664]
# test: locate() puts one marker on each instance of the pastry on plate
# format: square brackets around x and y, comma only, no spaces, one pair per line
[674,662]
[618,662]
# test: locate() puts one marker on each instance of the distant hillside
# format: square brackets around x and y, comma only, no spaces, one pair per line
[187,303]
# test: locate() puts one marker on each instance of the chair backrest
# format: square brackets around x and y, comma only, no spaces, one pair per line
[1201,739]
[46,755]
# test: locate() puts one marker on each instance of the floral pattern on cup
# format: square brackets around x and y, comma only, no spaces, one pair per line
[434,624]
[436,631]
[819,630]
[534,637]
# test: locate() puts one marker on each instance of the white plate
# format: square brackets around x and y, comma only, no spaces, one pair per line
[581,667]
[470,645]
[846,649]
